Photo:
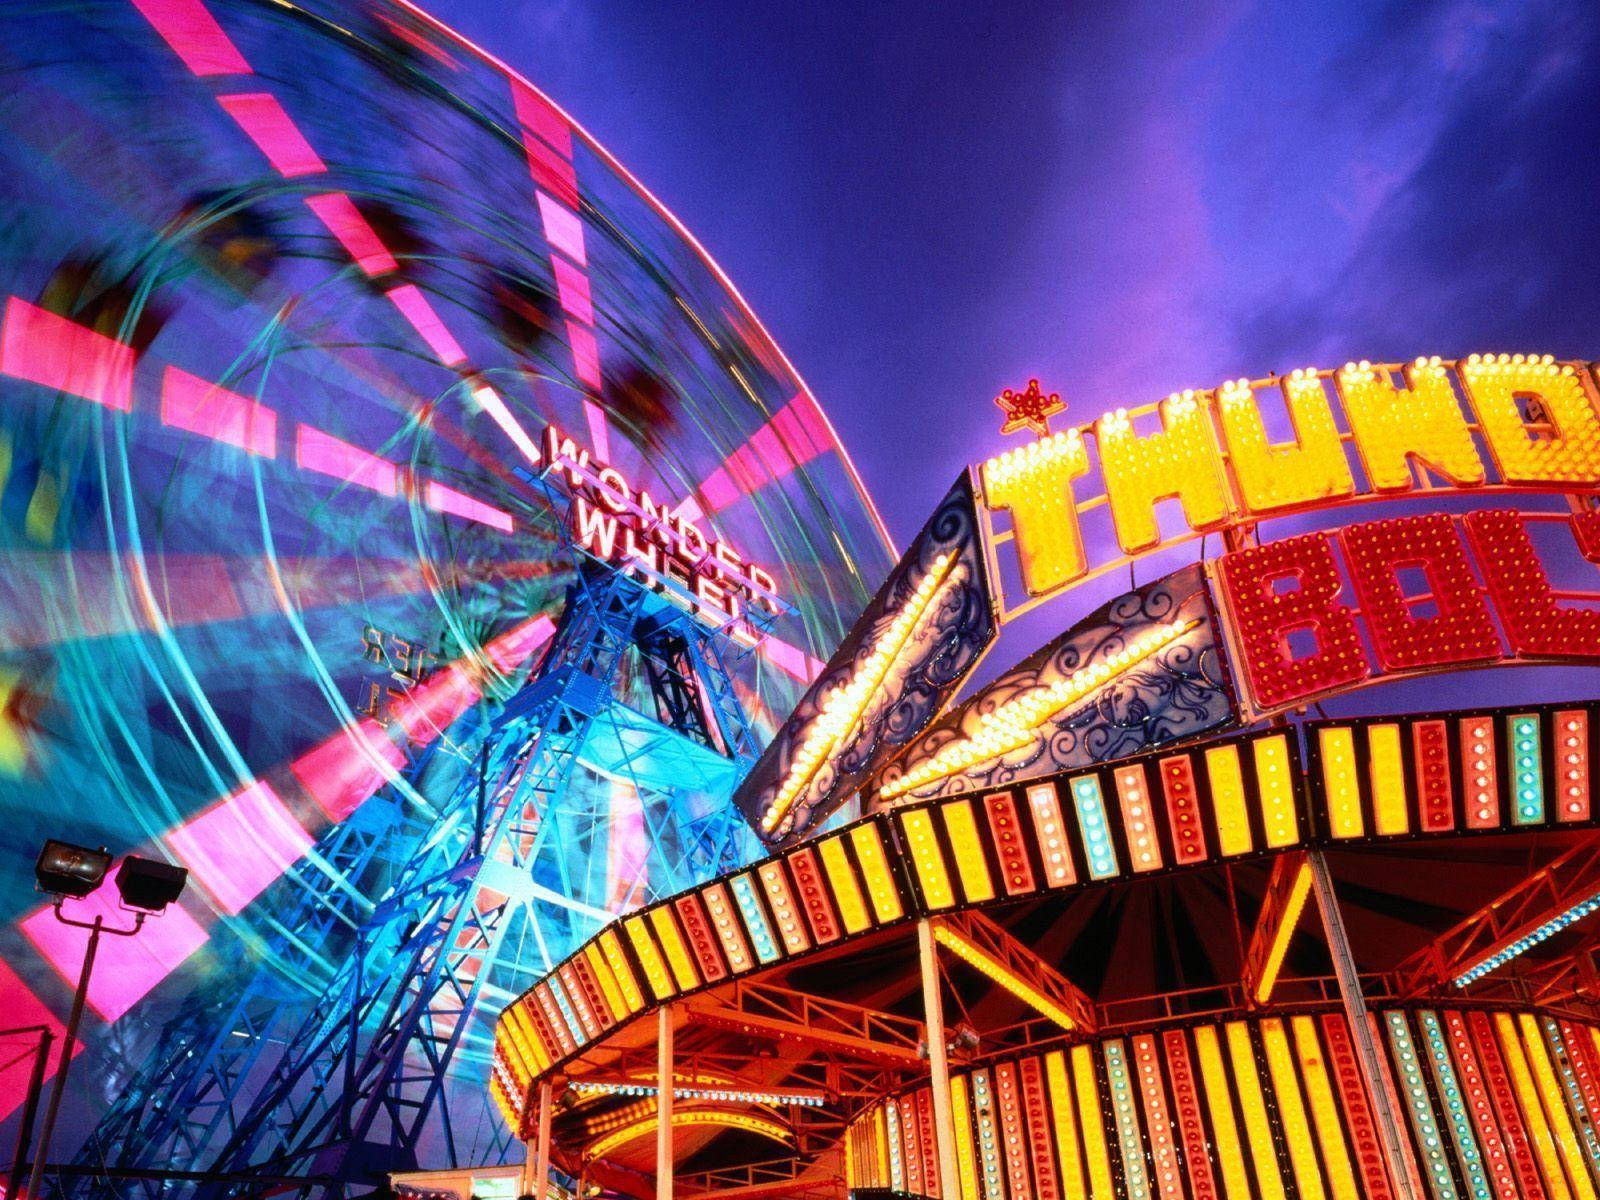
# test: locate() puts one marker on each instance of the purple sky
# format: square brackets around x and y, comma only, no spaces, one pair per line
[1123,200]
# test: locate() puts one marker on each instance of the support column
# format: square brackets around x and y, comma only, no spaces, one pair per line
[1396,1152]
[664,1090]
[944,1131]
[539,1185]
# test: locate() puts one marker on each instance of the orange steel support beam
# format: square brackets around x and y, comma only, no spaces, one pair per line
[1562,883]
[812,1022]
[1285,901]
[984,945]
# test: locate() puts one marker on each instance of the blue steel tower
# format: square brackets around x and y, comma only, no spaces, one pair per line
[619,754]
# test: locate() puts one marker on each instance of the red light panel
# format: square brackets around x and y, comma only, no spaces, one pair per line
[823,920]
[1036,1111]
[1535,623]
[1191,1124]
[1570,754]
[702,941]
[1430,743]
[1006,827]
[594,998]
[1265,617]
[1460,632]
[1183,809]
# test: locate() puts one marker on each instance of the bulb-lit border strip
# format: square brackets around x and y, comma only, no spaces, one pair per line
[1244,795]
[974,955]
[1254,1106]
[689,1118]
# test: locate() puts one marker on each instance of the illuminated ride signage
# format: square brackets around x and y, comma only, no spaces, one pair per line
[624,525]
[1299,617]
[1536,418]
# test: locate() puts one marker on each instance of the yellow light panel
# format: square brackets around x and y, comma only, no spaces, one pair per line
[1093,1125]
[620,970]
[1284,934]
[1230,1152]
[971,867]
[1034,483]
[687,1119]
[644,948]
[672,943]
[1325,1111]
[1571,455]
[1228,799]
[1340,781]
[1388,773]
[966,1164]
[1392,426]
[1555,1107]
[928,859]
[1275,783]
[1179,461]
[1296,1128]
[842,710]
[842,881]
[1258,1128]
[1001,974]
[1066,1127]
[1275,477]
[1532,1110]
[881,886]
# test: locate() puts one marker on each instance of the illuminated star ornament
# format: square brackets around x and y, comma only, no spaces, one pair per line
[1029,409]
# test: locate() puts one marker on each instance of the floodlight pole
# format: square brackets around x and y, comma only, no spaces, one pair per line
[70,1037]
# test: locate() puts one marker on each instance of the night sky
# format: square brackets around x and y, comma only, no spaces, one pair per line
[1123,199]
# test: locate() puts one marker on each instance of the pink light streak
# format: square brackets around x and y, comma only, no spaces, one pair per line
[794,436]
[572,285]
[195,36]
[517,644]
[541,117]
[343,771]
[23,1008]
[198,406]
[791,659]
[41,347]
[274,132]
[239,845]
[562,228]
[448,500]
[344,220]
[327,455]
[414,307]
[428,709]
[585,355]
[125,968]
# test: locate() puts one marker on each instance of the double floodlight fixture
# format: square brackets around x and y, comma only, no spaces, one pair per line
[146,885]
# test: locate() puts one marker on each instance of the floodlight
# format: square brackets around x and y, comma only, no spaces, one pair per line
[149,885]
[64,869]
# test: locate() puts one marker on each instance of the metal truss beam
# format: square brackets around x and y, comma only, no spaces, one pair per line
[1509,919]
[806,1023]
[985,946]
[1287,891]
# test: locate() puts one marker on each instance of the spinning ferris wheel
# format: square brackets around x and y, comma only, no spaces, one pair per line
[298,302]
